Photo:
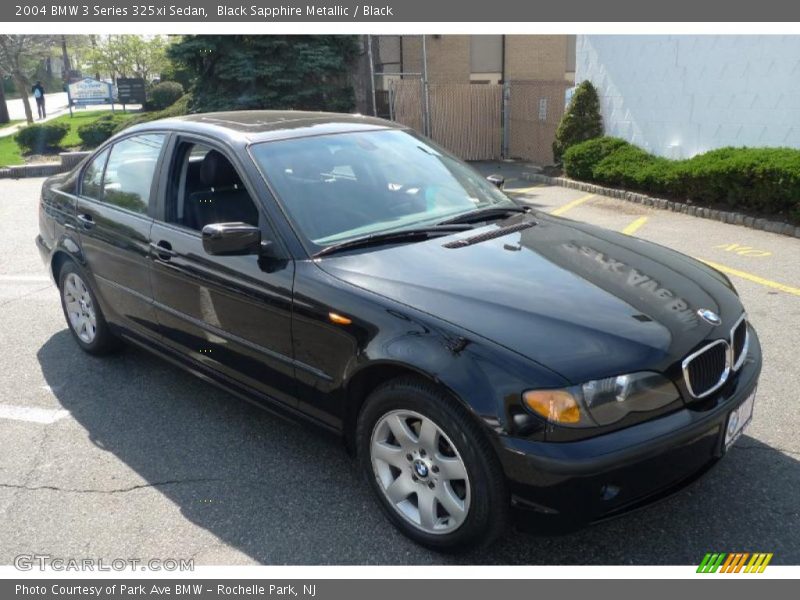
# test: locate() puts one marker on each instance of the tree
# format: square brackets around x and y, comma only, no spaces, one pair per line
[148,56]
[108,56]
[233,72]
[126,55]
[20,55]
[581,121]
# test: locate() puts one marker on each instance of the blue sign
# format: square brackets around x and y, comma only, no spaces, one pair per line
[90,91]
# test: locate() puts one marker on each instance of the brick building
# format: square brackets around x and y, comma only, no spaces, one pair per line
[478,58]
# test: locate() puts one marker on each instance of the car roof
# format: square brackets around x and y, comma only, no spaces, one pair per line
[250,126]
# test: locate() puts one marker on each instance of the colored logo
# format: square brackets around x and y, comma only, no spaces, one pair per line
[735,562]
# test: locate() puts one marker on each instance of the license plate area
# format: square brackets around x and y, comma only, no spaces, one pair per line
[738,420]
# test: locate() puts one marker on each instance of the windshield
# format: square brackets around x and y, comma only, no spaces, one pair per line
[344,186]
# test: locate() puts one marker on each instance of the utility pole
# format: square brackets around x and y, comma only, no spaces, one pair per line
[372,77]
[426,99]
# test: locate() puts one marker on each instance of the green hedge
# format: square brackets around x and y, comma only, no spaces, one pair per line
[95,133]
[581,159]
[755,180]
[38,138]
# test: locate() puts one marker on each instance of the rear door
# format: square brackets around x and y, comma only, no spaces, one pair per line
[114,216]
[231,313]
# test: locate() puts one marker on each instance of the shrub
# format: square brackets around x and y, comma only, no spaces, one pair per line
[753,179]
[95,133]
[35,139]
[179,108]
[581,159]
[581,120]
[165,94]
[631,167]
[756,180]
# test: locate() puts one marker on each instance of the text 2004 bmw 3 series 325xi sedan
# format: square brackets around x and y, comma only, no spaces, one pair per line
[480,359]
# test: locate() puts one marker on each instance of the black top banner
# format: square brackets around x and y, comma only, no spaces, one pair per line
[438,11]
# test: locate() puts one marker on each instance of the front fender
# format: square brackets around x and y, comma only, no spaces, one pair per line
[386,339]
[486,379]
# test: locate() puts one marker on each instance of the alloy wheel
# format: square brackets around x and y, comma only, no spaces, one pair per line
[80,308]
[420,471]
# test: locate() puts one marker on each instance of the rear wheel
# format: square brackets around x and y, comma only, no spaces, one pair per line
[434,473]
[83,314]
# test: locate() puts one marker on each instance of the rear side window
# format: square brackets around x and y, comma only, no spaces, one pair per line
[129,172]
[92,182]
[124,178]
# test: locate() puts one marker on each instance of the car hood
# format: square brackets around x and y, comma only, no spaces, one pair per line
[582,301]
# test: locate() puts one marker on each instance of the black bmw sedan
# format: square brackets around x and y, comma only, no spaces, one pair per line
[479,358]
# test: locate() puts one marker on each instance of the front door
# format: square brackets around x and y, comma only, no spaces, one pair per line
[114,216]
[231,313]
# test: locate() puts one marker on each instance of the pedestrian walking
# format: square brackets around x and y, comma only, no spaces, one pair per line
[38,93]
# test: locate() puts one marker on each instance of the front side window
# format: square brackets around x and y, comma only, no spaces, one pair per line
[206,188]
[343,186]
[129,173]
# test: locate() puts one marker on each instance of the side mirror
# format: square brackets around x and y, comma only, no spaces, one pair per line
[496,180]
[231,239]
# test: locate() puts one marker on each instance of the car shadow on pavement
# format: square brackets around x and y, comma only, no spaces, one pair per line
[281,493]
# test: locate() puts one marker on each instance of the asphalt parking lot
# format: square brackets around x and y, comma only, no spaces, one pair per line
[130,457]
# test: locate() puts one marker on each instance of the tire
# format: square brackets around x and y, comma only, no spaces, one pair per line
[82,312]
[397,422]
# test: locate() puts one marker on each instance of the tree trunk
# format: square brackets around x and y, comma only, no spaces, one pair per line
[22,85]
[65,58]
[4,116]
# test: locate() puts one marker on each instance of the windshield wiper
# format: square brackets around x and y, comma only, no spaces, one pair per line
[391,237]
[483,214]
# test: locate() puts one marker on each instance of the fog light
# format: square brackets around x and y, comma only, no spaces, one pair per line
[557,406]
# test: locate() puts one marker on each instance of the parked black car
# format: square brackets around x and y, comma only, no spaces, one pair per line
[475,354]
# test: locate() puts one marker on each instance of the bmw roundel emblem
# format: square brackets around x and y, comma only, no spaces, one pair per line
[709,316]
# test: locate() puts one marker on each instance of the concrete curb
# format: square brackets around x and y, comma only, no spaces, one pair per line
[730,217]
[68,161]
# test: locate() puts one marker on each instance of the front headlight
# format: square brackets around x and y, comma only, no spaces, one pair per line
[602,401]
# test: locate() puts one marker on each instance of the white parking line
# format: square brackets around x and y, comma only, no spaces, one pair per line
[45,416]
[24,278]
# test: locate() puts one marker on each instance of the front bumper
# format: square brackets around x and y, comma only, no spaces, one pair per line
[576,483]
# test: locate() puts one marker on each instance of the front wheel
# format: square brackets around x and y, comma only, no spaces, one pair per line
[434,473]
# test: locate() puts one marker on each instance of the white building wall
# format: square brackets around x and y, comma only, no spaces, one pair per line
[681,95]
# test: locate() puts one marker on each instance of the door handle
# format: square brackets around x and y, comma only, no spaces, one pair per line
[86,220]
[163,249]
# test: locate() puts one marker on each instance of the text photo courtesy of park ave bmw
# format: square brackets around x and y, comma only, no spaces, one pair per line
[503,299]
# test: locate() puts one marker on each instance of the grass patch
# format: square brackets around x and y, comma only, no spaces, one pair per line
[80,117]
[10,123]
[12,154]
